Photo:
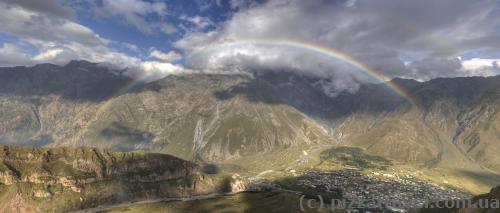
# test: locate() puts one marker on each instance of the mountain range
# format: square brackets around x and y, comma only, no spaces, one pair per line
[453,123]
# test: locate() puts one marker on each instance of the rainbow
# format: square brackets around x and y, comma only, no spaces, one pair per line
[318,49]
[133,82]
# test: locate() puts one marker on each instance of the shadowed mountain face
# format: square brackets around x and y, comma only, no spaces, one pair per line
[306,95]
[77,81]
[222,117]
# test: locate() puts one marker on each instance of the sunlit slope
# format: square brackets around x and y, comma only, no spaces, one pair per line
[183,116]
[65,179]
[455,125]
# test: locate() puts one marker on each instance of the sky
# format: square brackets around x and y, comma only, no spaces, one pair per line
[422,39]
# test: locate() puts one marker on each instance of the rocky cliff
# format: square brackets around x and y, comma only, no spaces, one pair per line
[62,179]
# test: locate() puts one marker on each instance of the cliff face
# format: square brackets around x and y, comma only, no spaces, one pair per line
[61,179]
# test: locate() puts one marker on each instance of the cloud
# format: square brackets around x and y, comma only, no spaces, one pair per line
[49,7]
[429,68]
[375,33]
[199,23]
[239,4]
[350,3]
[59,40]
[193,41]
[477,63]
[131,47]
[165,57]
[336,75]
[206,4]
[44,29]
[148,17]
[154,70]
[416,39]
[13,55]
[481,67]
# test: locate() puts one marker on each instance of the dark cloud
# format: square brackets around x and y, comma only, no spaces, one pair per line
[377,33]
[430,68]
[148,17]
[50,7]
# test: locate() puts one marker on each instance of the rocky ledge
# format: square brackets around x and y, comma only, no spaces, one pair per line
[63,179]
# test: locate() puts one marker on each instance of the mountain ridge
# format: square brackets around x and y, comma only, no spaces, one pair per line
[217,118]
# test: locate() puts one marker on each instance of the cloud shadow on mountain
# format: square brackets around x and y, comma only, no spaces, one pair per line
[484,178]
[304,94]
[76,81]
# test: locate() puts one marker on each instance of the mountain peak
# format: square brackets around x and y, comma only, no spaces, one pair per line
[405,82]
[80,63]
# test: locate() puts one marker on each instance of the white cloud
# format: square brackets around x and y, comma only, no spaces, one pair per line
[194,41]
[236,3]
[148,17]
[153,70]
[13,55]
[350,3]
[478,63]
[200,23]
[43,29]
[131,47]
[165,57]
[337,75]
[481,67]
[50,55]
[59,40]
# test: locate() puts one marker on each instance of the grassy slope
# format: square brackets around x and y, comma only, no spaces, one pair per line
[241,202]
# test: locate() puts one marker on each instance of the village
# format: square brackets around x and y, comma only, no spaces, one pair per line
[379,189]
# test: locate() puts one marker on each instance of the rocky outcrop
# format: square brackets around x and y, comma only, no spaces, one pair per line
[61,179]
